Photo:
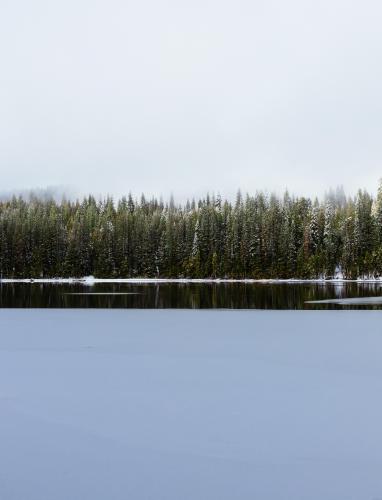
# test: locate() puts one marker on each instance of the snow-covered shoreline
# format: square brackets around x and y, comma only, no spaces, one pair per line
[91,280]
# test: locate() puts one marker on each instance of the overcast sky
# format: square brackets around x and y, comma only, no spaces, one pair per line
[189,96]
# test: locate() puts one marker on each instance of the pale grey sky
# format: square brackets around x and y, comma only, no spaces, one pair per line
[160,96]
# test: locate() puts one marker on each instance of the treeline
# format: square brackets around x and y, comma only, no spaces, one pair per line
[260,236]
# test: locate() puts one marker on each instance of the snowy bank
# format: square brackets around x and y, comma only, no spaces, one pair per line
[91,280]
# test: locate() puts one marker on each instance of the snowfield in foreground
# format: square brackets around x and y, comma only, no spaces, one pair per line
[190,405]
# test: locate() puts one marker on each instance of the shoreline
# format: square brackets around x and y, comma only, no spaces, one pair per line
[91,280]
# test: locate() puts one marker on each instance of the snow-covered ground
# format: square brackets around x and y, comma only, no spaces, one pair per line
[90,280]
[190,405]
[353,301]
[93,281]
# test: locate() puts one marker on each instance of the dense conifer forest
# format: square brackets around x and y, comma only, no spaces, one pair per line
[260,236]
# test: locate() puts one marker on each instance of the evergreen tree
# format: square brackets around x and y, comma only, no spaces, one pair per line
[258,236]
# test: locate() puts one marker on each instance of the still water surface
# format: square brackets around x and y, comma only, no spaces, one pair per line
[193,295]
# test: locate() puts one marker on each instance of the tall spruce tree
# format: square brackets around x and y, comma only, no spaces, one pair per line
[260,236]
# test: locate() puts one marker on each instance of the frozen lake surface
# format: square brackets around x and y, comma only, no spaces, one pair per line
[190,405]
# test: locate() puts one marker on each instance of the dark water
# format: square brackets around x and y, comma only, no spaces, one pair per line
[188,295]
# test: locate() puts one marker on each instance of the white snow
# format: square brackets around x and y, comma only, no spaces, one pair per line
[190,405]
[91,280]
[360,301]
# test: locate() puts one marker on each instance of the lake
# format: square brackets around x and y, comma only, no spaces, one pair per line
[185,295]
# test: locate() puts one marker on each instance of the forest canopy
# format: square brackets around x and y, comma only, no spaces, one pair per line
[260,236]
